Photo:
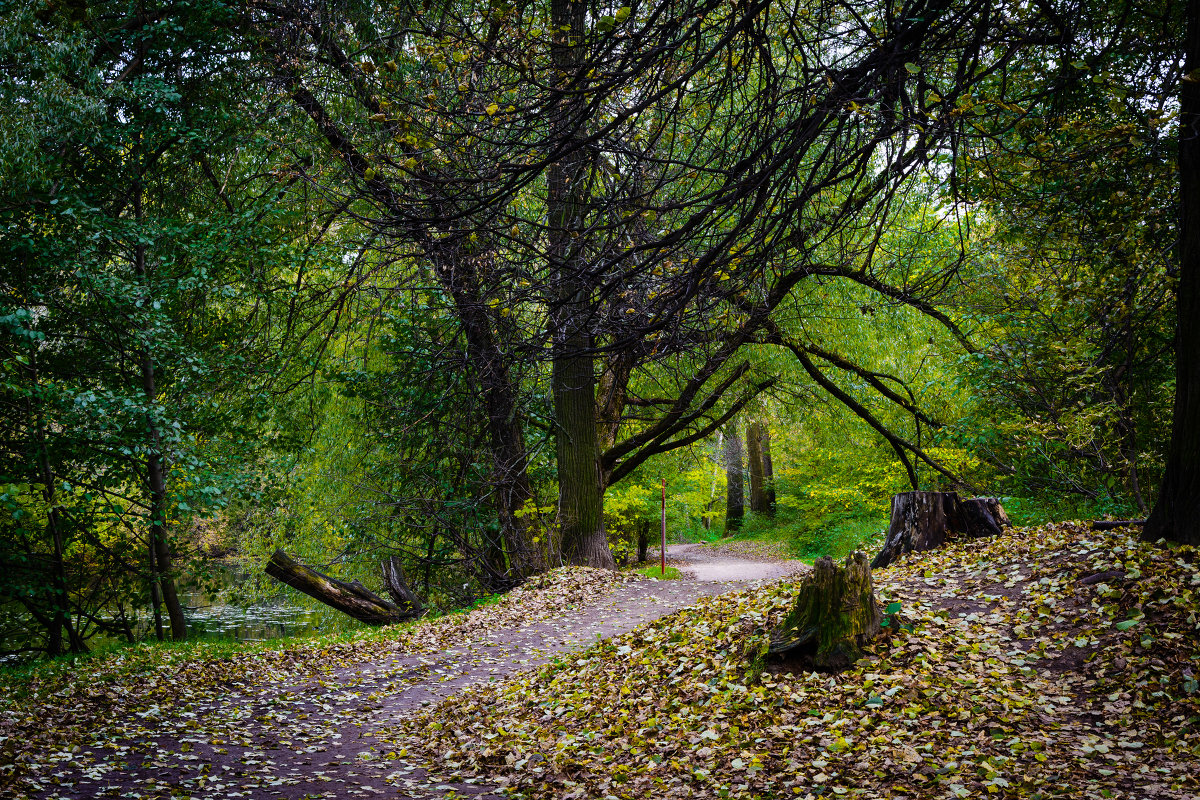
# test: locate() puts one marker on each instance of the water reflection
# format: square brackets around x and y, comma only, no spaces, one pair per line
[207,620]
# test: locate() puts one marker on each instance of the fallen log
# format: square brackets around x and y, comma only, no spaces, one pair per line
[352,599]
[925,520]
[834,615]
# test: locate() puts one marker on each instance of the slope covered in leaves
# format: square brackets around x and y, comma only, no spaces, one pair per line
[1051,662]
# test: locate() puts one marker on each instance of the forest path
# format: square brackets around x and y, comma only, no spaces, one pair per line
[317,738]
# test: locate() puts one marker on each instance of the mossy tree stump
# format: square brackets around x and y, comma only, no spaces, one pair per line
[835,614]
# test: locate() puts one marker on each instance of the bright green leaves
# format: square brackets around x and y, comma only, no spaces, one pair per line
[608,22]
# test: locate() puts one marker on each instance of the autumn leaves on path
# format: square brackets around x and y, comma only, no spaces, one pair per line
[302,722]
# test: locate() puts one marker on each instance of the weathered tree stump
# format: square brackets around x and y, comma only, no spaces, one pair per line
[983,516]
[834,615]
[393,580]
[352,599]
[925,520]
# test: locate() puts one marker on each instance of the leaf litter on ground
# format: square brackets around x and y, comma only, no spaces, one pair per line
[162,706]
[1049,662]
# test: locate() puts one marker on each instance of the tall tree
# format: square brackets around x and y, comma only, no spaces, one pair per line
[1176,513]
[735,493]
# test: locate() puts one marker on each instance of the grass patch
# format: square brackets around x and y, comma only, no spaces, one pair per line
[655,571]
[811,536]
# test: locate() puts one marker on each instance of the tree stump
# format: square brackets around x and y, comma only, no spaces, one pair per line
[352,599]
[834,615]
[925,520]
[983,516]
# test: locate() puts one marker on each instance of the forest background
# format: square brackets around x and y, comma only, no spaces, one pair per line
[461,283]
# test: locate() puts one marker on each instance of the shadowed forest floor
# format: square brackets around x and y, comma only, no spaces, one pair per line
[1051,662]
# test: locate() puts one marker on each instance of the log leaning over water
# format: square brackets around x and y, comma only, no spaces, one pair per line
[925,520]
[352,599]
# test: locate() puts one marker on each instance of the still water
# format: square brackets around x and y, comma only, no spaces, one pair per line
[210,615]
[215,620]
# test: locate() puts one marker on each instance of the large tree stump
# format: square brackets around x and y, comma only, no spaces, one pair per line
[352,599]
[925,520]
[834,615]
[983,516]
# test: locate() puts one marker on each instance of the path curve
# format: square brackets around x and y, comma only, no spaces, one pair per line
[317,739]
[703,563]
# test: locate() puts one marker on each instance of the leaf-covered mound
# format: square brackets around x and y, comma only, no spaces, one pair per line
[128,693]
[1050,662]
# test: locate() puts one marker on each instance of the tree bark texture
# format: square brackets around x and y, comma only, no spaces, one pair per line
[925,520]
[155,473]
[735,504]
[573,376]
[506,436]
[754,464]
[835,614]
[396,586]
[1176,513]
[352,599]
[768,469]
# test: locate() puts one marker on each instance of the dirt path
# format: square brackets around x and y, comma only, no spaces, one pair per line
[317,739]
[702,563]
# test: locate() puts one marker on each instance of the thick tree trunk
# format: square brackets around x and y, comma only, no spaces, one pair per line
[573,376]
[398,588]
[754,462]
[735,504]
[835,614]
[1176,513]
[643,540]
[352,599]
[925,520]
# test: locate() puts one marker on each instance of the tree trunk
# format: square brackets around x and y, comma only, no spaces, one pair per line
[835,614]
[925,520]
[352,599]
[643,539]
[735,505]
[768,470]
[506,437]
[1176,513]
[156,478]
[397,587]
[754,460]
[573,376]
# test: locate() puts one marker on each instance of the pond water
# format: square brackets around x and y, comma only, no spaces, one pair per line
[208,619]
[209,616]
